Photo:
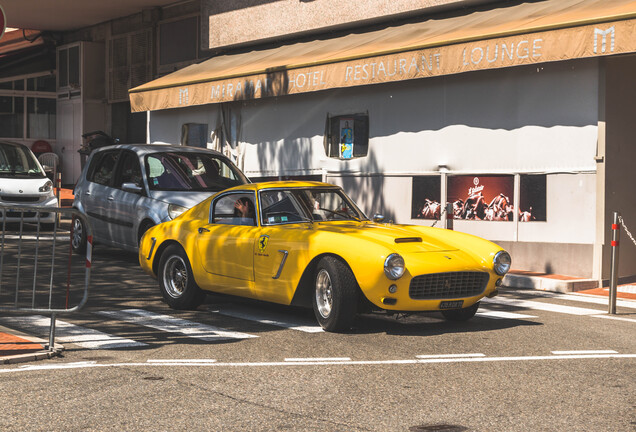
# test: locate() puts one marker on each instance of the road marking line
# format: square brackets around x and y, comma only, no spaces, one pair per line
[277,320]
[170,324]
[433,356]
[327,363]
[550,307]
[612,317]
[584,352]
[170,361]
[319,359]
[585,298]
[487,313]
[70,333]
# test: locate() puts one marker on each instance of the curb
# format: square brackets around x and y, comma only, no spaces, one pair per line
[44,354]
[539,283]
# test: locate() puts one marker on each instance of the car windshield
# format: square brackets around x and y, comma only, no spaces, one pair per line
[189,171]
[280,206]
[18,161]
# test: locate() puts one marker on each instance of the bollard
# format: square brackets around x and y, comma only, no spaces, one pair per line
[52,333]
[449,216]
[614,264]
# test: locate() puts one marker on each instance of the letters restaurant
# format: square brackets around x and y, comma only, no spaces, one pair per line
[521,117]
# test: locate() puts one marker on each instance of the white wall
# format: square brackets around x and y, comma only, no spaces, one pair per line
[517,120]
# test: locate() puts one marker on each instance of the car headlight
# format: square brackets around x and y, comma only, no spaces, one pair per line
[394,266]
[46,187]
[175,211]
[502,262]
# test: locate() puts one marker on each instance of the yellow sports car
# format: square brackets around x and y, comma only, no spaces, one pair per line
[307,243]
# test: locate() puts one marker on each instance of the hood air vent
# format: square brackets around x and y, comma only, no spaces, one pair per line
[409,240]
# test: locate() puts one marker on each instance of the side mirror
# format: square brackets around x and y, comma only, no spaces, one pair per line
[378,218]
[133,188]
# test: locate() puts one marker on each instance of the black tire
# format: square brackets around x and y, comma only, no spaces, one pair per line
[176,280]
[335,298]
[145,226]
[461,314]
[78,237]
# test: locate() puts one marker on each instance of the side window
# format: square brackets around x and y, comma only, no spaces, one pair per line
[102,167]
[130,170]
[280,207]
[234,209]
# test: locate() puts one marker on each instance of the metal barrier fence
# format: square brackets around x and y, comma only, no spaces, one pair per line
[39,272]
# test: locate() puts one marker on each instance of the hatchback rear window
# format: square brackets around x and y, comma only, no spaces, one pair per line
[189,171]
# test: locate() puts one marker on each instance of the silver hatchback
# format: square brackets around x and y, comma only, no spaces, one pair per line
[125,189]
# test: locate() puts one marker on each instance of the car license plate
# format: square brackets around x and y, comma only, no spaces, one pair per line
[455,304]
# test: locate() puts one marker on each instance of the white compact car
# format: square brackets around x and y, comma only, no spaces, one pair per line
[24,184]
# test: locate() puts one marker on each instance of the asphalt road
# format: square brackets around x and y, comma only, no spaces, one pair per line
[528,361]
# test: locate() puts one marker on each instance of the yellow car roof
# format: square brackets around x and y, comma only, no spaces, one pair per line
[283,184]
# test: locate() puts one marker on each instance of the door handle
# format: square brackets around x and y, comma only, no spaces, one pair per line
[87,193]
[202,230]
[110,198]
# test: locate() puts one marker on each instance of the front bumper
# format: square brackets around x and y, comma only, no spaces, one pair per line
[21,211]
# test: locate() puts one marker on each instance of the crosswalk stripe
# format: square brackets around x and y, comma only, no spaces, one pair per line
[550,307]
[70,333]
[487,313]
[171,324]
[277,320]
[586,298]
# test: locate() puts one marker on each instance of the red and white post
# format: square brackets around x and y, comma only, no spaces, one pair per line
[616,232]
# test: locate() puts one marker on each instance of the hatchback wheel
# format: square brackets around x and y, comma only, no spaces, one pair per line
[78,238]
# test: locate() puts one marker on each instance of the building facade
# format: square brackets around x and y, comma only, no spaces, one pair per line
[517,113]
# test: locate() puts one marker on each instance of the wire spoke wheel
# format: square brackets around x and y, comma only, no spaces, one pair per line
[176,280]
[175,276]
[324,293]
[335,299]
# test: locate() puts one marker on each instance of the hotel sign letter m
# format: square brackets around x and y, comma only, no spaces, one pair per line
[183,96]
[602,34]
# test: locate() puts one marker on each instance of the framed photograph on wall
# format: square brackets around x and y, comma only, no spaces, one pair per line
[426,197]
[482,197]
[532,198]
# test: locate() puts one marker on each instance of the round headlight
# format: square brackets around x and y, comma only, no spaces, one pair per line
[175,210]
[394,266]
[502,262]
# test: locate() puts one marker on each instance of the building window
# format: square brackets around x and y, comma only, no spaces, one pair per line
[194,134]
[28,107]
[347,136]
[129,63]
[178,43]
[40,118]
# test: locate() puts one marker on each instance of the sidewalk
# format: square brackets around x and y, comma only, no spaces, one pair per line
[16,347]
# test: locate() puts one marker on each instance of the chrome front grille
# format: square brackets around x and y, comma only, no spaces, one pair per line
[448,285]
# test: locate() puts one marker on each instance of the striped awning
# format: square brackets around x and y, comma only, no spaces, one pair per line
[527,33]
